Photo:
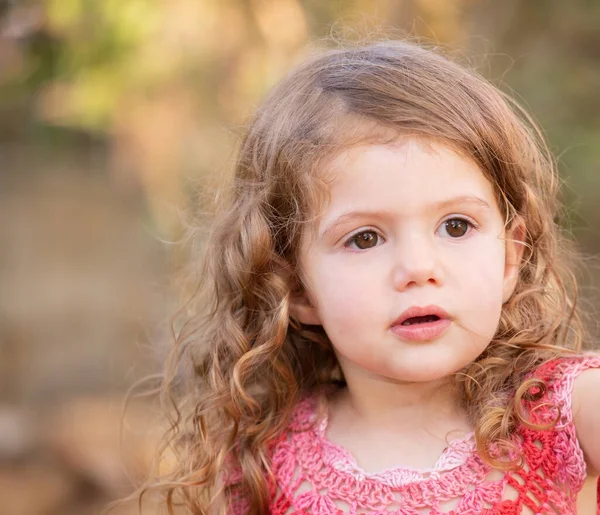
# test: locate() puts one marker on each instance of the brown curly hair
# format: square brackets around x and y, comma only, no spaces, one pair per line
[251,362]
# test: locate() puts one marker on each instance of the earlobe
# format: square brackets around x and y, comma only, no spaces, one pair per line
[303,311]
[515,245]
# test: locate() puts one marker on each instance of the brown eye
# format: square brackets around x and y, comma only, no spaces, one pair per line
[457,227]
[364,240]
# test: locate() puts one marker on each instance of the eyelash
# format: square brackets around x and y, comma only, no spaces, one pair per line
[471,225]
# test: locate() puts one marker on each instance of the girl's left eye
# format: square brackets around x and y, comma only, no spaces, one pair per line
[456,227]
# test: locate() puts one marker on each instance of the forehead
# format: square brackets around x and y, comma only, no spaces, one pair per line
[407,176]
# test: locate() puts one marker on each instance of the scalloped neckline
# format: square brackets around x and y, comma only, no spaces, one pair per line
[335,455]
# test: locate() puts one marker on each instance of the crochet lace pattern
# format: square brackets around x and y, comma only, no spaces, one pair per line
[315,476]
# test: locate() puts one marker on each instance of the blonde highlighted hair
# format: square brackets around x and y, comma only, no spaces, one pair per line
[252,362]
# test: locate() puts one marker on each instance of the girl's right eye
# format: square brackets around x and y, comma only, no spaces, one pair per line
[363,240]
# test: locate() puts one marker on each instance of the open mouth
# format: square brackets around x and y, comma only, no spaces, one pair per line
[422,323]
[420,320]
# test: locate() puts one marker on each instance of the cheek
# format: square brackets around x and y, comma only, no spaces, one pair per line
[344,293]
[482,289]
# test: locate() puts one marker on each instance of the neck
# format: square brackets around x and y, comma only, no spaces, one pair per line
[378,400]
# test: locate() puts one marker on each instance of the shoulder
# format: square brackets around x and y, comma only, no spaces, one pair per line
[302,428]
[306,413]
[561,375]
[568,367]
[573,384]
[282,454]
[586,414]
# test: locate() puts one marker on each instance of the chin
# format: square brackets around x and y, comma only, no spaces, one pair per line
[425,377]
[422,374]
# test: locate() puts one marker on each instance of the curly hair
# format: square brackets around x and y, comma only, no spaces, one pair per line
[252,361]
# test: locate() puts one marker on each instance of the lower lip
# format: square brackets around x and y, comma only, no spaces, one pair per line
[422,332]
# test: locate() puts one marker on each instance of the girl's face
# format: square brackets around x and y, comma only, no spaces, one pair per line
[408,226]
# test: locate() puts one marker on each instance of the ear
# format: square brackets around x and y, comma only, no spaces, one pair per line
[302,309]
[515,245]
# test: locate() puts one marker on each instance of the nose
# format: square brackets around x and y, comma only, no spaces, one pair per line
[416,263]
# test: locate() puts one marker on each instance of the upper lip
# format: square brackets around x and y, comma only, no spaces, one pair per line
[417,311]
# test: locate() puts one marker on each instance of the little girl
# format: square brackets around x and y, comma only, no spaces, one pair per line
[387,320]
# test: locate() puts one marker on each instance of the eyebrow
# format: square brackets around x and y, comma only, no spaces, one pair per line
[466,199]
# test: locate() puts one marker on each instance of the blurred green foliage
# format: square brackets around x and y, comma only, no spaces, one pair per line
[158,80]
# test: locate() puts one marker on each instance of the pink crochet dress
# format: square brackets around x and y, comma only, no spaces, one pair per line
[316,476]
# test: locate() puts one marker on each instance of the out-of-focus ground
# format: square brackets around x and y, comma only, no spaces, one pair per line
[111,114]
[82,296]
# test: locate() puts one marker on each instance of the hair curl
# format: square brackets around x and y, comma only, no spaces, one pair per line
[251,361]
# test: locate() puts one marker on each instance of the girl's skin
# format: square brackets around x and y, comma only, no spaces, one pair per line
[412,223]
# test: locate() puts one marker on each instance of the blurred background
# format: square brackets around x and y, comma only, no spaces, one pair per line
[113,113]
